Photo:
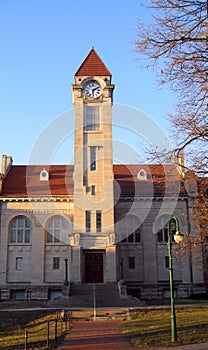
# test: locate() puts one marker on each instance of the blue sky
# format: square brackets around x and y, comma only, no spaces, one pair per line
[43,42]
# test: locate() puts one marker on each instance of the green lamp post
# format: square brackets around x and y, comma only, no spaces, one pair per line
[173,230]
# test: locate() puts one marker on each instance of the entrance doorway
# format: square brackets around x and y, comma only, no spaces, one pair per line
[93,267]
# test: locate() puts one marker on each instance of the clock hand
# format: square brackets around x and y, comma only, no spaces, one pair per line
[94,90]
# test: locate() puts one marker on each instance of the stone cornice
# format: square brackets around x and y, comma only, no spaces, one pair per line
[37,199]
[149,198]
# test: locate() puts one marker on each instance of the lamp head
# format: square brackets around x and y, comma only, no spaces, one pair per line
[178,237]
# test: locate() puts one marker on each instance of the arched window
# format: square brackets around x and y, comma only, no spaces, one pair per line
[132,229]
[20,230]
[57,230]
[162,234]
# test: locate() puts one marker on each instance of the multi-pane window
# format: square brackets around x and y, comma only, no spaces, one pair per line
[20,231]
[57,230]
[130,229]
[88,220]
[19,264]
[131,260]
[92,158]
[92,117]
[134,237]
[98,221]
[56,263]
[162,234]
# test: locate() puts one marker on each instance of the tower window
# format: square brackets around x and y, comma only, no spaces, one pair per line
[88,220]
[92,158]
[98,221]
[92,117]
[93,190]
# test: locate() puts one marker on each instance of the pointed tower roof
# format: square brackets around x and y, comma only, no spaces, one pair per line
[92,65]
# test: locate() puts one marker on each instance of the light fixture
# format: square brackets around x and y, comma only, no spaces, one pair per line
[178,237]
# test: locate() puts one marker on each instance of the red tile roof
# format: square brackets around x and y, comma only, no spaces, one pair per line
[92,65]
[160,180]
[25,181]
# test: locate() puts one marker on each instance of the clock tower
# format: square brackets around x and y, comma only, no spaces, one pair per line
[93,243]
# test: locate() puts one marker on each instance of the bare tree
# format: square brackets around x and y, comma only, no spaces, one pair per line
[176,42]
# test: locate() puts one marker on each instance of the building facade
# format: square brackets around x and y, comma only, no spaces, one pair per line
[92,222]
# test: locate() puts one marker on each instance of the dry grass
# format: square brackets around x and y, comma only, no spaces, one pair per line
[151,328]
[14,324]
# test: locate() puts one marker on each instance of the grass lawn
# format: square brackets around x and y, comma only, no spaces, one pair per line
[148,328]
[13,325]
[152,328]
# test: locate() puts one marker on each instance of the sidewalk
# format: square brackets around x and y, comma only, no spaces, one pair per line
[96,335]
[107,335]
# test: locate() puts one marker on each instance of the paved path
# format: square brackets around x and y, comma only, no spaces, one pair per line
[107,335]
[96,335]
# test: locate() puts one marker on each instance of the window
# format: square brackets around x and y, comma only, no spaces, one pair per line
[162,234]
[142,175]
[56,263]
[130,229]
[20,231]
[44,176]
[98,221]
[131,260]
[93,190]
[19,264]
[92,117]
[93,158]
[167,262]
[134,237]
[88,221]
[57,230]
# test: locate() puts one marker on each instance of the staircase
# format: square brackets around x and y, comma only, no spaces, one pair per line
[103,294]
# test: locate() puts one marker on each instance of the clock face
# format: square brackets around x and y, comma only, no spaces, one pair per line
[93,89]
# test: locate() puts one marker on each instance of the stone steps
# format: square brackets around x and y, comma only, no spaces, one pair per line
[101,294]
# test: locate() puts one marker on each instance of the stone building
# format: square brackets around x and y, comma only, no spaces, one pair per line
[94,221]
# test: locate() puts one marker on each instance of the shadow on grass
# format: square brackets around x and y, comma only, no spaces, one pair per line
[37,344]
[162,337]
[13,325]
[11,320]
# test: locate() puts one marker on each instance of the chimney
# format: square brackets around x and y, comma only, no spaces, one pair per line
[179,163]
[9,163]
[4,164]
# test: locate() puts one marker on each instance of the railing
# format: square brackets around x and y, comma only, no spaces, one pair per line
[52,329]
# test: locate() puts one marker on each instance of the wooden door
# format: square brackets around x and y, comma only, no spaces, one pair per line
[93,267]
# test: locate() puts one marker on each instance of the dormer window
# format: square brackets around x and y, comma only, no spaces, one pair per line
[44,175]
[142,175]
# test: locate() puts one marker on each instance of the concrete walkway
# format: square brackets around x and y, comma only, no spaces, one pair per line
[107,335]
